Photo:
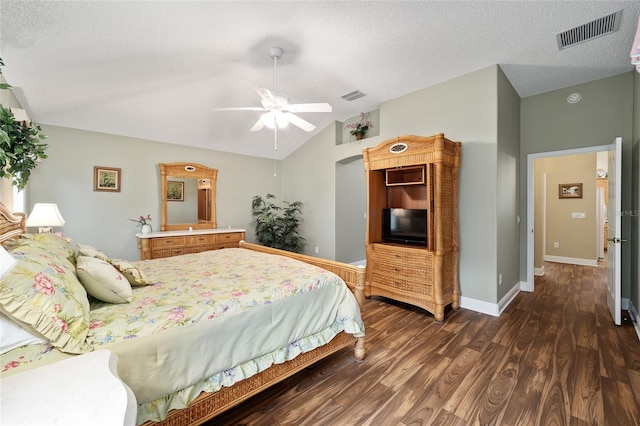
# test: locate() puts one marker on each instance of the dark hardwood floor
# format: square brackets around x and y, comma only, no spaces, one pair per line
[554,357]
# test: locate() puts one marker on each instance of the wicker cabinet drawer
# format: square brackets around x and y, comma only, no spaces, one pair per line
[402,256]
[167,242]
[421,282]
[397,270]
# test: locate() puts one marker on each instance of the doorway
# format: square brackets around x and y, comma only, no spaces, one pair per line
[529,285]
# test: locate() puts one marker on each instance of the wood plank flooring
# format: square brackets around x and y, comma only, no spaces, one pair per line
[554,357]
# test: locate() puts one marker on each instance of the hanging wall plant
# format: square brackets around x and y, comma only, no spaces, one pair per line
[21,146]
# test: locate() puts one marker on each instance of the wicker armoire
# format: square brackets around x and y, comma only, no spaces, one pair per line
[414,172]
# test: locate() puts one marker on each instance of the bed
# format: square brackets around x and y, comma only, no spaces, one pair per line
[194,334]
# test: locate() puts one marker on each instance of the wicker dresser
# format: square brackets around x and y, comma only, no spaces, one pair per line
[414,172]
[173,243]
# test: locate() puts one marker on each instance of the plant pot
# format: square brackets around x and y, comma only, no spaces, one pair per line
[359,136]
[145,229]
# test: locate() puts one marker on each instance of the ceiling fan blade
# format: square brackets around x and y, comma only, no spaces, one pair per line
[258,126]
[240,109]
[266,97]
[297,121]
[317,107]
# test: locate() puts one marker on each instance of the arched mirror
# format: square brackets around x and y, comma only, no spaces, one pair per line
[188,196]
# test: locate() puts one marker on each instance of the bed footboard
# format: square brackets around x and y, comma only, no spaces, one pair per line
[208,405]
[353,275]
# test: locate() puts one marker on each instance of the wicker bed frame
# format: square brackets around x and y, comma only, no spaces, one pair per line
[208,405]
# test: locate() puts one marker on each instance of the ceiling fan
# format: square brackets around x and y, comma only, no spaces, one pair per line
[278,112]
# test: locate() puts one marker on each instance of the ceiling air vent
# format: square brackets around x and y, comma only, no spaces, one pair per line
[356,94]
[594,29]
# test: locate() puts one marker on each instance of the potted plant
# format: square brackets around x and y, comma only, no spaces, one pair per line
[20,145]
[277,226]
[145,226]
[359,129]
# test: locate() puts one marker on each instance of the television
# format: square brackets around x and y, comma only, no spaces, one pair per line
[408,226]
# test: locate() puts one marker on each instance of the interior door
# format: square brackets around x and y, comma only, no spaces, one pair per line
[614,208]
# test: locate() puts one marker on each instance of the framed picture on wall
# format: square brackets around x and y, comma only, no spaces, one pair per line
[106,179]
[570,190]
[175,191]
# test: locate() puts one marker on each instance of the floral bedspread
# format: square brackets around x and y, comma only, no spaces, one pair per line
[204,286]
[185,332]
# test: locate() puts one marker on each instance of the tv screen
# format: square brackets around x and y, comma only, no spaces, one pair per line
[407,226]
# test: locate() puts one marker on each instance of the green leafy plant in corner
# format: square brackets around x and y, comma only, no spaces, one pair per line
[20,145]
[277,226]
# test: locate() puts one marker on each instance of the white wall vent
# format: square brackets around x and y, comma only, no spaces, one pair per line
[594,29]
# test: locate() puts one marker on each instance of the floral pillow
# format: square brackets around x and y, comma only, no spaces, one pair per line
[103,281]
[56,244]
[130,271]
[90,251]
[44,292]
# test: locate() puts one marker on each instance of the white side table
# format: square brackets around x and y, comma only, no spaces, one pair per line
[79,391]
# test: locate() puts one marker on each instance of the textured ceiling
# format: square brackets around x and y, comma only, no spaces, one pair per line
[157,70]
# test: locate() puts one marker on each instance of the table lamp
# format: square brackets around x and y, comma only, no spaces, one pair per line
[7,262]
[45,217]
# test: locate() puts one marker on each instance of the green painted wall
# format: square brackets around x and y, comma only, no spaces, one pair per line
[549,123]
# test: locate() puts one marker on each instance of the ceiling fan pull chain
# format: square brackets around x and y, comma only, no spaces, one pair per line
[275,146]
[275,134]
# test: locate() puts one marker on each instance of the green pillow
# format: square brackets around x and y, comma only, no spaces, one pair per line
[44,292]
[103,281]
[130,271]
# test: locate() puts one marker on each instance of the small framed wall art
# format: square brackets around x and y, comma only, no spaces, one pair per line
[570,190]
[175,190]
[106,179]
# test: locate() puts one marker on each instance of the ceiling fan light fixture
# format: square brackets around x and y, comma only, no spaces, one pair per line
[271,118]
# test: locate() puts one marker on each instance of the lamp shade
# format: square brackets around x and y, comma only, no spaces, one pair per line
[7,262]
[45,215]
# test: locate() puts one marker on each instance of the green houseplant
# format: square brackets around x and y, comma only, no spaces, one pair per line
[277,226]
[20,145]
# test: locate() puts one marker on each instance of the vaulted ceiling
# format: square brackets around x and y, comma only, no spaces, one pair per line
[159,69]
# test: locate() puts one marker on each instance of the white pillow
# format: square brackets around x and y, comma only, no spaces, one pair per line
[103,281]
[13,335]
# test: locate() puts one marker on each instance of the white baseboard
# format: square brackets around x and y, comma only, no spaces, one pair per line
[538,271]
[508,298]
[624,303]
[634,317]
[479,306]
[493,309]
[571,260]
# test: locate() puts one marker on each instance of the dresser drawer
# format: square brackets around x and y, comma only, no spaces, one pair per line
[195,240]
[167,242]
[228,237]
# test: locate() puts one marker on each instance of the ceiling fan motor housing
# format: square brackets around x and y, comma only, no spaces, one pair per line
[275,52]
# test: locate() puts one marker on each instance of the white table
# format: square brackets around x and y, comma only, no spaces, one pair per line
[82,390]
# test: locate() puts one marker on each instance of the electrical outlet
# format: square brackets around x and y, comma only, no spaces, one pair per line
[556,245]
[500,279]
[317,250]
